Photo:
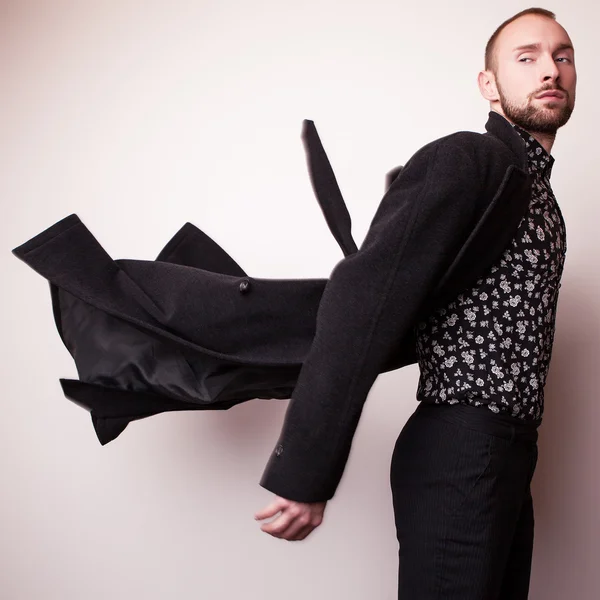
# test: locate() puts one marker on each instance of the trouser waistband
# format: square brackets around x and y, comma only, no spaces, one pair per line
[482,418]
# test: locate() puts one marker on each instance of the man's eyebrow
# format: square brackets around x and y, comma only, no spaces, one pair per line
[563,46]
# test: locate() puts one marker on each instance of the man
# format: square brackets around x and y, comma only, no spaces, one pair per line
[462,465]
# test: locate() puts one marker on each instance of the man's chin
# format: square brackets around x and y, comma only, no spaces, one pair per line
[551,123]
[546,120]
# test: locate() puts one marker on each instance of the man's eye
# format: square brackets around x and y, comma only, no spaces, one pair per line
[564,58]
[525,58]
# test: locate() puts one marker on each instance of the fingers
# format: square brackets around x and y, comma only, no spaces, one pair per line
[302,532]
[296,522]
[272,509]
[281,527]
[288,523]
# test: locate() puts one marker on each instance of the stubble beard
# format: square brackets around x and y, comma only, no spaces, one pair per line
[532,118]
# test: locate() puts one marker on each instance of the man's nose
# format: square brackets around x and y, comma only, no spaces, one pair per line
[549,69]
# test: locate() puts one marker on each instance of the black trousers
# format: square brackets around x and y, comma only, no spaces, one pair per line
[460,478]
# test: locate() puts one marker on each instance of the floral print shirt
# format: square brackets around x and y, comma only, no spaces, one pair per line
[491,345]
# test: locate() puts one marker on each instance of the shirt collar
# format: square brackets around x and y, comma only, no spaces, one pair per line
[539,161]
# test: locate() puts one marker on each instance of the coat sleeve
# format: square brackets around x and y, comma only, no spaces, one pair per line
[371,301]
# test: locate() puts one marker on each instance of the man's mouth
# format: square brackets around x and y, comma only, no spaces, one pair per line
[551,94]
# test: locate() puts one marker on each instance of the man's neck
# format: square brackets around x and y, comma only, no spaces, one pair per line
[545,139]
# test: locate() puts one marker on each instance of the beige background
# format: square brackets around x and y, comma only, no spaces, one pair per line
[139,116]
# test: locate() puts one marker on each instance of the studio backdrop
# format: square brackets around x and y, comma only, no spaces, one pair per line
[140,117]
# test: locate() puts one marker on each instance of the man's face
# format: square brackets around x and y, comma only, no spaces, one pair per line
[534,55]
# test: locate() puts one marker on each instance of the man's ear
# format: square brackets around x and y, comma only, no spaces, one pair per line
[487,86]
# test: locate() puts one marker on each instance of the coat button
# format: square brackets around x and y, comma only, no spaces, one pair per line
[244,286]
[278,450]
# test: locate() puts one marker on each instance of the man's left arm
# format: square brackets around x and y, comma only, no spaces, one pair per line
[370,302]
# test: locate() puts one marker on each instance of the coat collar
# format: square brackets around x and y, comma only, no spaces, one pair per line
[501,128]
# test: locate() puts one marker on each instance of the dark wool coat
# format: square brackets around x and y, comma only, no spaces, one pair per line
[460,187]
[192,331]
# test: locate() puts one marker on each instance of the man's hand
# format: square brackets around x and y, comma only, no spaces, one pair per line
[296,521]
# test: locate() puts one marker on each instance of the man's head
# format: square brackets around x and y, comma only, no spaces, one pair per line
[528,55]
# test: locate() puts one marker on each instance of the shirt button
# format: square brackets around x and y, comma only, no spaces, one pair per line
[278,450]
[244,286]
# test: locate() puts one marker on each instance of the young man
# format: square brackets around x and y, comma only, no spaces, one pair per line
[462,465]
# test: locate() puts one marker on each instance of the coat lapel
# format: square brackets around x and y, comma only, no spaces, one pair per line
[499,220]
[499,127]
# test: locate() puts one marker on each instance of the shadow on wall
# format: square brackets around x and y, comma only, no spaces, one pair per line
[566,478]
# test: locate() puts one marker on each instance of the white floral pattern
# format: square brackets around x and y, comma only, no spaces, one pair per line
[492,344]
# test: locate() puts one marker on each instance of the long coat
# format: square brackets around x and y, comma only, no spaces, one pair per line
[192,331]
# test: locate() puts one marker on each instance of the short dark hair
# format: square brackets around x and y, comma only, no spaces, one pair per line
[490,59]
